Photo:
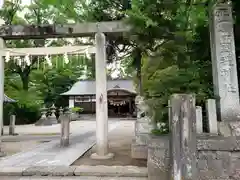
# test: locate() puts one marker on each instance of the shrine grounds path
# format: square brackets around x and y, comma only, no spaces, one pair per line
[120,140]
[35,146]
[45,152]
[50,153]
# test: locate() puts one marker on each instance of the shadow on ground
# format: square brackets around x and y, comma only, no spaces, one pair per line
[120,141]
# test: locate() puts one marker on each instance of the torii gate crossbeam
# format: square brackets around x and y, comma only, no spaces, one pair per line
[55,31]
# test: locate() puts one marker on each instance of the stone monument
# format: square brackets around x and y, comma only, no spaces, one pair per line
[73,115]
[142,124]
[52,119]
[224,68]
[60,111]
[143,128]
[43,117]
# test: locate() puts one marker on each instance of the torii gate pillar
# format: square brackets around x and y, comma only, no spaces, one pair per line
[101,100]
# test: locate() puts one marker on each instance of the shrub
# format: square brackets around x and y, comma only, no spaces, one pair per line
[77,109]
[162,128]
[26,109]
[24,114]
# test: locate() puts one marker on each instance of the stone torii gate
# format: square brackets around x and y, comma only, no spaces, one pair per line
[98,29]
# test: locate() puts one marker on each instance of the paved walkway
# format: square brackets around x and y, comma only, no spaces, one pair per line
[51,153]
[72,178]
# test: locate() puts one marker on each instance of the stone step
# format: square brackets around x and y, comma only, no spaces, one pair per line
[103,171]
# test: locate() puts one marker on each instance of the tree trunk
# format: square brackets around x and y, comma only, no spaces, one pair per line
[139,76]
[138,62]
[24,74]
[93,65]
[25,81]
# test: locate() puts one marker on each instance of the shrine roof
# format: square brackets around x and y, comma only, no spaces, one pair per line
[88,87]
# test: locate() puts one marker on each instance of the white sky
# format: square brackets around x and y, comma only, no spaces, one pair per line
[25,2]
[1,3]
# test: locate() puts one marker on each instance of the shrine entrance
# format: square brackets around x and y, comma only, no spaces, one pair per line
[121,103]
[120,97]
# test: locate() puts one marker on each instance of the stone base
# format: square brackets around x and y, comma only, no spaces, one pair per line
[223,129]
[64,142]
[47,121]
[155,171]
[142,126]
[74,117]
[97,157]
[139,151]
[52,120]
[229,128]
[139,147]
[40,121]
[158,163]
[142,138]
[14,134]
[2,154]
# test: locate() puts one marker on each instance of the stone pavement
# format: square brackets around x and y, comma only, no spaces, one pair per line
[51,154]
[72,178]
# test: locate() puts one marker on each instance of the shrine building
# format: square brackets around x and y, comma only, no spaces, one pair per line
[120,94]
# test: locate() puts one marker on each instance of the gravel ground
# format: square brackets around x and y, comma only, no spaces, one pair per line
[11,148]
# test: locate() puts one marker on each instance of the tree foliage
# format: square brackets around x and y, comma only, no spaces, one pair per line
[37,84]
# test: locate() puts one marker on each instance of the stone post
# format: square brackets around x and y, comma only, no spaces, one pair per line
[60,113]
[12,125]
[183,137]
[71,102]
[169,114]
[65,129]
[199,120]
[224,66]
[101,100]
[2,46]
[212,116]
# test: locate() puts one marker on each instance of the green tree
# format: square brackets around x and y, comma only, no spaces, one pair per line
[54,81]
[22,78]
[172,36]
[37,13]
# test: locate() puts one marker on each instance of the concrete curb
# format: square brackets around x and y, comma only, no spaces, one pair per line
[108,171]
